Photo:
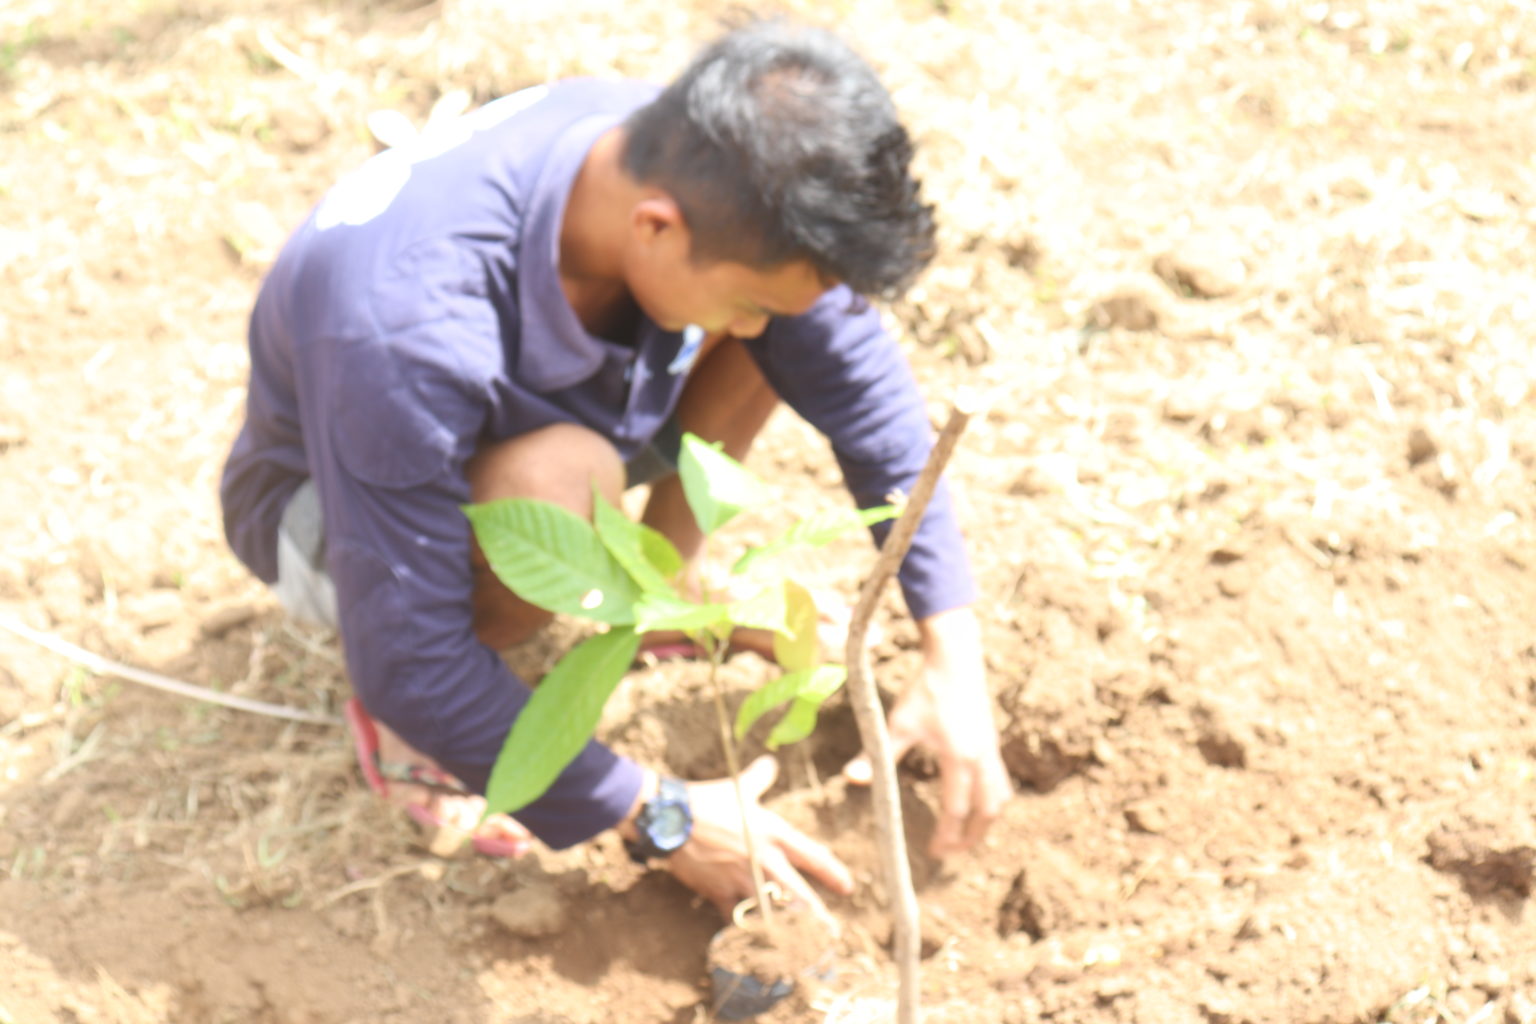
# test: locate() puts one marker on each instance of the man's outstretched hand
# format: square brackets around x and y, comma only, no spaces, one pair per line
[948,711]
[714,862]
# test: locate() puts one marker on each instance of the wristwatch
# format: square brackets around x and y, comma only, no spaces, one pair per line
[665,822]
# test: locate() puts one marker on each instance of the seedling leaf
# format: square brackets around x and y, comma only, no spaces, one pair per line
[655,612]
[816,530]
[807,688]
[798,647]
[800,720]
[551,557]
[647,555]
[558,720]
[717,486]
[767,609]
[798,723]
[660,552]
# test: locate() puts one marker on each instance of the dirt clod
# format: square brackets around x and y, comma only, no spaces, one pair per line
[1202,269]
[1221,742]
[227,617]
[1490,846]
[1134,303]
[1421,446]
[532,912]
[1021,912]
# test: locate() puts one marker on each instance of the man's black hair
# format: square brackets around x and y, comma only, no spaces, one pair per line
[779,143]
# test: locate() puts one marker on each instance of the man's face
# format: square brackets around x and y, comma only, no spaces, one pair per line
[721,296]
[731,298]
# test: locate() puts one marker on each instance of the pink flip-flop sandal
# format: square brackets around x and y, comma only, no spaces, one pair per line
[685,650]
[379,773]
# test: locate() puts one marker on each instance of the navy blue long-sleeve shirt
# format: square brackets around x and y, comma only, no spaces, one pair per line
[416,317]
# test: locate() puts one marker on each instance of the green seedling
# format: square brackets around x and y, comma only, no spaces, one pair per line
[630,578]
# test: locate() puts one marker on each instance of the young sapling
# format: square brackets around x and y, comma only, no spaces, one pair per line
[631,580]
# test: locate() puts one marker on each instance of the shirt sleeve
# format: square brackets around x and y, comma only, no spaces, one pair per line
[389,432]
[839,368]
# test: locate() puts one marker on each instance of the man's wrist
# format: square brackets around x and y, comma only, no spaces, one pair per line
[950,636]
[650,782]
[663,824]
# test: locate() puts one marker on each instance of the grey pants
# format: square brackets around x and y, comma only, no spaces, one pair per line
[307,592]
[303,586]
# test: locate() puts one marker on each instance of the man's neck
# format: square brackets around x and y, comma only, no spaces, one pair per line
[591,241]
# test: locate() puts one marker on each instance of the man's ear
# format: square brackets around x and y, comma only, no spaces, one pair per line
[656,218]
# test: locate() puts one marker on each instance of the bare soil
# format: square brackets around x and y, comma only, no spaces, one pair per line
[1250,287]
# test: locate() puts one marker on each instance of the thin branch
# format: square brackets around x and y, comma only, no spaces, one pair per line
[716,648]
[364,884]
[103,666]
[283,56]
[871,715]
[85,753]
[733,765]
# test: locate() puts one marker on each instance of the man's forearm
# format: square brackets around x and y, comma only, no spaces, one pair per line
[951,643]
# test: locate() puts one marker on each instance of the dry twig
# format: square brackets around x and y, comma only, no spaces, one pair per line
[373,882]
[871,716]
[154,680]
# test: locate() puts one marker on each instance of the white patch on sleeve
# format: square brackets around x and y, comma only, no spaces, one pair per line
[499,110]
[367,192]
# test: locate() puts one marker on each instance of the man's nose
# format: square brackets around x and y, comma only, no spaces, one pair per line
[748,326]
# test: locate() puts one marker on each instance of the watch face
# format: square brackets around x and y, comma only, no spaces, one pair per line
[664,823]
[670,821]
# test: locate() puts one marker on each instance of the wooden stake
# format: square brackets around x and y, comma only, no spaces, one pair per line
[871,715]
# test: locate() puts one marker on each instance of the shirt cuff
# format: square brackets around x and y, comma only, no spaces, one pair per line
[594,793]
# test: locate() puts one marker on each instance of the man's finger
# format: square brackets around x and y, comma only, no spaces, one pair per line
[993,791]
[781,871]
[725,895]
[861,771]
[759,775]
[956,784]
[501,835]
[814,858]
